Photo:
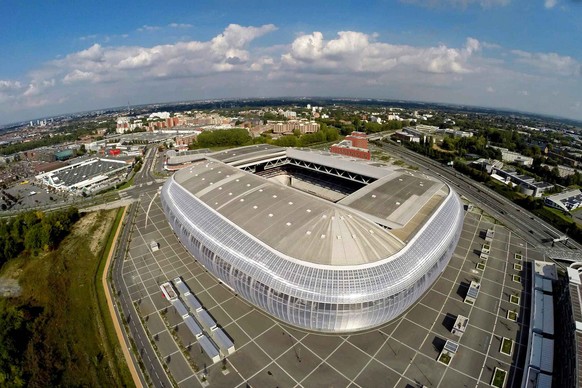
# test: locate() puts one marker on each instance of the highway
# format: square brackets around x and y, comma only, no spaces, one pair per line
[144,181]
[534,230]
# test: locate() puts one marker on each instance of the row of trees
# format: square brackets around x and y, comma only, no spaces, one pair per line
[470,145]
[34,231]
[325,134]
[348,124]
[223,138]
[14,334]
[241,137]
[426,148]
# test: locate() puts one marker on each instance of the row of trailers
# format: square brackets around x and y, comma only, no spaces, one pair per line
[213,340]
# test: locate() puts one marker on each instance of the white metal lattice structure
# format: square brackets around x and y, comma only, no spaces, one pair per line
[314,294]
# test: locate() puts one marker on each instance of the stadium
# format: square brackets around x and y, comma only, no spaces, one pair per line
[322,242]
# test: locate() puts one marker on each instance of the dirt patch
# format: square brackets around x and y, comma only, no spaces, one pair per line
[9,288]
[97,224]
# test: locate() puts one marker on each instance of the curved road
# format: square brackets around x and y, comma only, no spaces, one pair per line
[144,181]
[534,230]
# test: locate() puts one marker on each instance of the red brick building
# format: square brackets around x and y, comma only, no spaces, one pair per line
[354,145]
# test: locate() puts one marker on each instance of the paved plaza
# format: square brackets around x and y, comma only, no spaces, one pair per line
[402,353]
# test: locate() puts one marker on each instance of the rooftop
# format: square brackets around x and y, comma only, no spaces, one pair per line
[371,224]
[80,172]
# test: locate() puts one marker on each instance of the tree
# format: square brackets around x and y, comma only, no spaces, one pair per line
[13,339]
[287,141]
[34,238]
[226,137]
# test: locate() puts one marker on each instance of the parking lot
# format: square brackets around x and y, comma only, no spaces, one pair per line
[22,197]
[402,353]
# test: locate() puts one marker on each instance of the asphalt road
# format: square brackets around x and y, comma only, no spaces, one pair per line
[143,181]
[527,225]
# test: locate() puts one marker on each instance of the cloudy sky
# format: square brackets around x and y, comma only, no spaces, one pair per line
[74,56]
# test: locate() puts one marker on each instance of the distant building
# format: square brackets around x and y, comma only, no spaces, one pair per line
[125,124]
[354,145]
[427,128]
[455,133]
[85,177]
[182,142]
[122,125]
[289,114]
[487,164]
[527,184]
[287,127]
[404,136]
[159,115]
[514,157]
[566,201]
[422,132]
[541,145]
[564,171]
[64,155]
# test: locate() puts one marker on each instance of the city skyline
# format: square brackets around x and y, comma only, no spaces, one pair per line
[510,54]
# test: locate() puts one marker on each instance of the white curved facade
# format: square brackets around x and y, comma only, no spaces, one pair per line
[326,298]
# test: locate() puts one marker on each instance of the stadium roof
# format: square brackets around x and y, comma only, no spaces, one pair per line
[369,225]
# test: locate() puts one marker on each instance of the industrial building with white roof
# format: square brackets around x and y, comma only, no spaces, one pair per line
[85,176]
[322,242]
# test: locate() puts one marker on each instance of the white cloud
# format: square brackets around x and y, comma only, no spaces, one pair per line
[458,3]
[9,85]
[348,64]
[77,75]
[109,69]
[550,3]
[549,63]
[88,37]
[358,52]
[147,28]
[180,25]
[489,45]
[93,53]
[36,87]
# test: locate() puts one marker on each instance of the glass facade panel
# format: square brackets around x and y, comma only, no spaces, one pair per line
[319,298]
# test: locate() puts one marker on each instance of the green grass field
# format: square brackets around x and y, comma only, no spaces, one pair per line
[73,341]
[558,213]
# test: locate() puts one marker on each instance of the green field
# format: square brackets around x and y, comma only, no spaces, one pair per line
[72,341]
[498,378]
[506,346]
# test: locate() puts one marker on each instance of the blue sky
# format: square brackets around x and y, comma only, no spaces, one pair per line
[70,56]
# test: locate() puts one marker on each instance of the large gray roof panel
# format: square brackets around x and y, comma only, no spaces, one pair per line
[180,308]
[193,326]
